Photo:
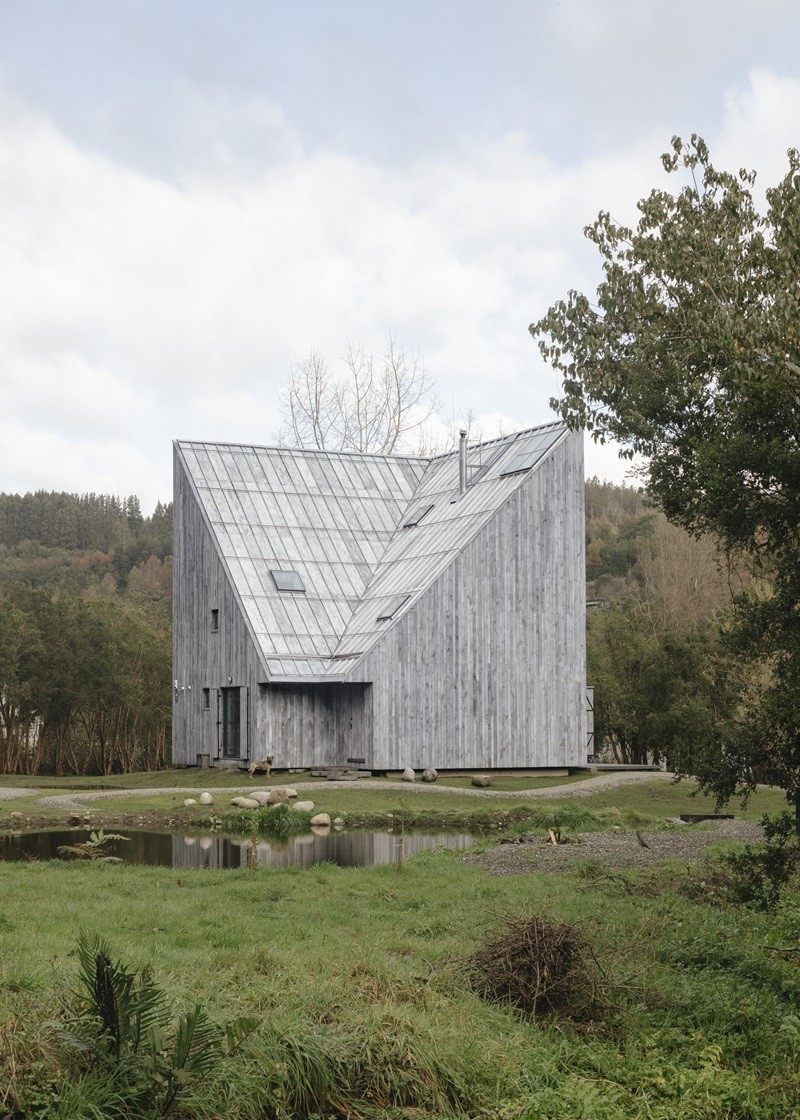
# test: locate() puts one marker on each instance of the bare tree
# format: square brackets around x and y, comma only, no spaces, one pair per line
[374,405]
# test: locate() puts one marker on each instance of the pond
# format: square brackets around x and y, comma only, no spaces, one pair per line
[165,849]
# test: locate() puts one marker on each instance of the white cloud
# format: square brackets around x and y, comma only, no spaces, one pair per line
[133,311]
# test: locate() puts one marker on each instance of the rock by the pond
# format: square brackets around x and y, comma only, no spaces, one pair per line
[290,792]
[482,780]
[338,822]
[278,796]
[206,798]
[261,796]
[189,801]
[321,820]
[429,775]
[304,806]
[408,775]
[245,803]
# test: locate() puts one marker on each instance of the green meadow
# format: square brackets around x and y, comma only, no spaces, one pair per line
[355,985]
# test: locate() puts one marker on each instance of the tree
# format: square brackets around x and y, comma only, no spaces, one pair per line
[371,407]
[690,357]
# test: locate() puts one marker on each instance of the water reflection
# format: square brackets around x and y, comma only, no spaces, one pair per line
[164,849]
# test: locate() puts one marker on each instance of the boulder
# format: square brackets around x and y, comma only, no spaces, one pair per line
[429,775]
[321,820]
[261,796]
[482,780]
[278,796]
[304,806]
[290,792]
[190,801]
[206,798]
[338,822]
[245,803]
[408,775]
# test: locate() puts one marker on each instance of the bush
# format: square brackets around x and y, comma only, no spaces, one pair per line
[759,873]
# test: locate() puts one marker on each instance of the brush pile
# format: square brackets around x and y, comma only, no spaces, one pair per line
[540,967]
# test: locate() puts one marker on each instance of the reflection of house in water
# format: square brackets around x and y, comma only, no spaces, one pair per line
[345,849]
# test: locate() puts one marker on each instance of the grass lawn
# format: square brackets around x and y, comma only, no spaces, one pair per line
[362,1002]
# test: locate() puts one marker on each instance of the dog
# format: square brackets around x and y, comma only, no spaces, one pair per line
[261,766]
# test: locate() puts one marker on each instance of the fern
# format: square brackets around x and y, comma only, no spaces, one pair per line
[120,1021]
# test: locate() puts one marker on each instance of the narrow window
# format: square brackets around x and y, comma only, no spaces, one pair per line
[206,699]
[214,619]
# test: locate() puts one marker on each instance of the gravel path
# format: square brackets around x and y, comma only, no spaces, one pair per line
[77,802]
[614,849]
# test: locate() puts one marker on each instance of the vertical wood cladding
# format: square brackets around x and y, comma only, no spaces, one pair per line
[487,669]
[204,657]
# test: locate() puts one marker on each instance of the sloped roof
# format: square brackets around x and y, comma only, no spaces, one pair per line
[340,521]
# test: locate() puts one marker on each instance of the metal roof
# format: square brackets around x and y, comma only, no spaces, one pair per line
[338,520]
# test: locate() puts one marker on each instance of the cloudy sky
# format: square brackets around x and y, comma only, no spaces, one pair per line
[194,194]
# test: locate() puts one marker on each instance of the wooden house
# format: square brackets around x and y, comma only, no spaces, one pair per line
[336,608]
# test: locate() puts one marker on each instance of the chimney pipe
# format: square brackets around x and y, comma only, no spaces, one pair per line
[462,461]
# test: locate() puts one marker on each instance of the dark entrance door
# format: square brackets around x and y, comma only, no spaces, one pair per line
[231,722]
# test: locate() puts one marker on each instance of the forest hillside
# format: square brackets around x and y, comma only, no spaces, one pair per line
[85,631]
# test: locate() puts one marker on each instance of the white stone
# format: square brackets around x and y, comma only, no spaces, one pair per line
[321,820]
[278,796]
[206,798]
[190,801]
[338,822]
[290,792]
[261,796]
[245,803]
[305,806]
[429,775]
[408,775]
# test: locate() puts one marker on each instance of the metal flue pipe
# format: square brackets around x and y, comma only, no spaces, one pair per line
[462,461]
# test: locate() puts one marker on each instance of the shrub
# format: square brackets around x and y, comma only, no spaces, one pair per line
[758,875]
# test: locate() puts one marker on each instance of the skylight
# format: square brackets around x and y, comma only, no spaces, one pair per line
[530,451]
[288,581]
[389,607]
[416,516]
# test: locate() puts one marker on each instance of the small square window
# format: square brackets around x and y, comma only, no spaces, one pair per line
[214,619]
[288,581]
[206,699]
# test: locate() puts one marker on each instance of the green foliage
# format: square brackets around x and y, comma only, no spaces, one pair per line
[94,847]
[277,821]
[120,1032]
[656,692]
[759,874]
[84,686]
[690,357]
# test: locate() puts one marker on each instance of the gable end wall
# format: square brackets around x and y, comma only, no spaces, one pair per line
[488,668]
[202,659]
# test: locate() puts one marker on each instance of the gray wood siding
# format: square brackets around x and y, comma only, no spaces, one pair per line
[318,724]
[487,669]
[201,658]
